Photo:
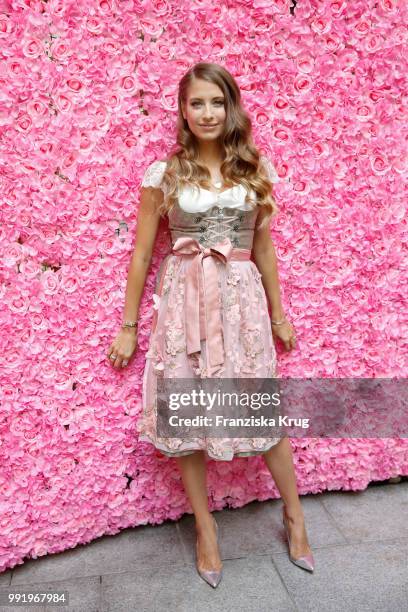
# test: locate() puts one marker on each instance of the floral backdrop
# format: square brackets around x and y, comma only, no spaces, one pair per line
[88,101]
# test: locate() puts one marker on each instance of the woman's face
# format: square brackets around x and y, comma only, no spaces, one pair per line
[205,105]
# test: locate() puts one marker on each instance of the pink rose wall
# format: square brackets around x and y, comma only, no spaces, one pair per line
[88,102]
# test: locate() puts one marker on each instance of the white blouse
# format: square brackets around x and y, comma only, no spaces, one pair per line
[198,199]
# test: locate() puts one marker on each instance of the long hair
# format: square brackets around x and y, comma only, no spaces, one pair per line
[241,163]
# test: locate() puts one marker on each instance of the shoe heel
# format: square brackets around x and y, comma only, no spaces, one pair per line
[212,577]
[306,562]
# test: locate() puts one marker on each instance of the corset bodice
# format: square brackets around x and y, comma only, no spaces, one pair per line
[214,225]
[210,217]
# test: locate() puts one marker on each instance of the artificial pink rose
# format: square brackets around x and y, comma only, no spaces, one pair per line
[333,42]
[62,102]
[373,42]
[60,50]
[365,112]
[379,164]
[23,122]
[320,26]
[303,83]
[32,48]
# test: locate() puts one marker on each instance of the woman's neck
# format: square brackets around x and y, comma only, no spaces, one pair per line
[211,154]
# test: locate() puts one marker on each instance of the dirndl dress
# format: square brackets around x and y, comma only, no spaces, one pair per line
[211,236]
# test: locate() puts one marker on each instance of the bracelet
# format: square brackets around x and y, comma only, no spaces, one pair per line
[129,324]
[278,322]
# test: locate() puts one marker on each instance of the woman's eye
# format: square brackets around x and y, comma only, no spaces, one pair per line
[198,103]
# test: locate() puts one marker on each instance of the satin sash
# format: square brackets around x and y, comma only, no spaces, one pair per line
[202,295]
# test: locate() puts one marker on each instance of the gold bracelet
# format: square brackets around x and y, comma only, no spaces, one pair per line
[278,322]
[129,324]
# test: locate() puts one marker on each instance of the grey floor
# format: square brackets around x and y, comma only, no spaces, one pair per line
[359,541]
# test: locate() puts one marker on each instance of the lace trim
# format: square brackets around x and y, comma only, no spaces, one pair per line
[270,169]
[153,175]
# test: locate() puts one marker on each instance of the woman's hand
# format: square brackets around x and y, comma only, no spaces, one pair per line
[286,333]
[123,347]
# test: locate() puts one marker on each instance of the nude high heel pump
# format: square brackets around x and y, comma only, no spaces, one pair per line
[306,562]
[213,577]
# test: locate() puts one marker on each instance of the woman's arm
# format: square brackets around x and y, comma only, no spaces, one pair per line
[266,261]
[125,343]
[146,231]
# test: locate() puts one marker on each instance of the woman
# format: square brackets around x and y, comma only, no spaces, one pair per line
[216,191]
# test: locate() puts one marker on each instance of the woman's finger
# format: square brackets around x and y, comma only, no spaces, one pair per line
[287,344]
[115,358]
[118,362]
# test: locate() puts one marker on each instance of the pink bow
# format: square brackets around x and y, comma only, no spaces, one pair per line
[202,299]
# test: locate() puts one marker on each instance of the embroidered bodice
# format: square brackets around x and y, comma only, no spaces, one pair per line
[207,216]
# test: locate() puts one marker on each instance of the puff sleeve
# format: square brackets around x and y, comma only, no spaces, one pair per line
[270,169]
[154,174]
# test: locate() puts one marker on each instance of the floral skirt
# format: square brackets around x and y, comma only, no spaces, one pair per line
[249,350]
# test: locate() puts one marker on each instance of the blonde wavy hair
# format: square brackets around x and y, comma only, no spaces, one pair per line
[241,164]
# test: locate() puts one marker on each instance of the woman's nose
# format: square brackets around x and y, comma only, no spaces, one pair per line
[208,112]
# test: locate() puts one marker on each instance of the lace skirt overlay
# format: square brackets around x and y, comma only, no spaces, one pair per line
[211,321]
